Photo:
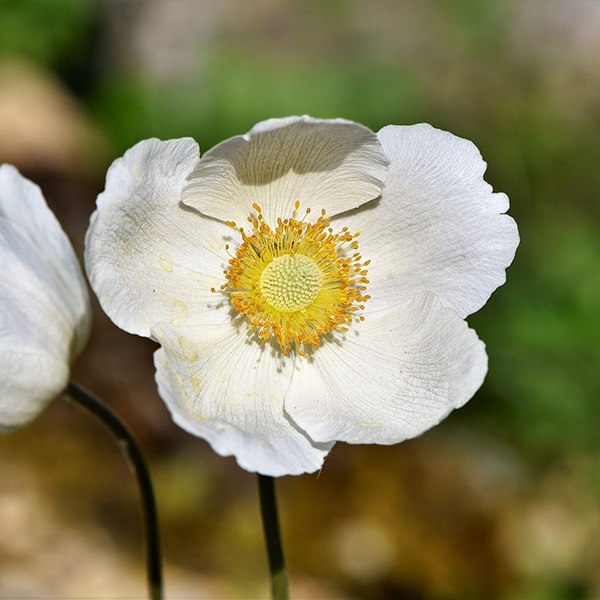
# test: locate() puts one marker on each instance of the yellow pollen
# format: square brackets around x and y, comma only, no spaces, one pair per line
[297,281]
[291,282]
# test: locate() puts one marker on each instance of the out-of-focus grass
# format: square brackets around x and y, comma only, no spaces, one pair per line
[55,33]
[238,90]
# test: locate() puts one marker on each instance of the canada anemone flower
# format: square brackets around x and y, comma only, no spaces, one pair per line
[307,281]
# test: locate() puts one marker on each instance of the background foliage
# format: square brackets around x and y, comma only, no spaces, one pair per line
[502,500]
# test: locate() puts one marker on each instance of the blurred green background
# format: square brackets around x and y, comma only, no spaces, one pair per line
[501,501]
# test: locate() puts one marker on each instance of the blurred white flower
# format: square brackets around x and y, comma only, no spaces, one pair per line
[307,281]
[44,305]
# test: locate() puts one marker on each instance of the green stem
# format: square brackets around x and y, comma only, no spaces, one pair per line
[140,468]
[268,511]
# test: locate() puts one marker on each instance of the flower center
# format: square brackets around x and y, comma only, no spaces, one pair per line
[296,282]
[291,282]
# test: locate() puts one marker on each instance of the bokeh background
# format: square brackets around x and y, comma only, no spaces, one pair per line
[501,501]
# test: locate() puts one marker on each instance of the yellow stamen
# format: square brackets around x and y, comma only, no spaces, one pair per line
[297,282]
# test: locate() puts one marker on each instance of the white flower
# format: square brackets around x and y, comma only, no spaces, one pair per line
[283,330]
[44,305]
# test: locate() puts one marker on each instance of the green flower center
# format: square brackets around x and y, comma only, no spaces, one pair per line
[291,282]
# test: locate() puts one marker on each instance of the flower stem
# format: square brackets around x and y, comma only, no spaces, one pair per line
[138,463]
[268,511]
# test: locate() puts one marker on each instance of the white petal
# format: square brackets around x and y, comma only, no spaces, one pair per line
[395,377]
[31,373]
[37,259]
[227,389]
[332,164]
[148,257]
[438,227]
[44,306]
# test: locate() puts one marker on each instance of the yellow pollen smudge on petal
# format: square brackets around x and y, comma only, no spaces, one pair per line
[187,350]
[296,282]
[165,262]
[180,313]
